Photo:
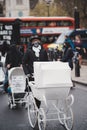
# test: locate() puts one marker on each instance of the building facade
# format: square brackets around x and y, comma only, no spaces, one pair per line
[2,8]
[17,8]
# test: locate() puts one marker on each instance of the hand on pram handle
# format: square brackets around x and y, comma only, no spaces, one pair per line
[30,77]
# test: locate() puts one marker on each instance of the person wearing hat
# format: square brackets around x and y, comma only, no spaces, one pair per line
[35,52]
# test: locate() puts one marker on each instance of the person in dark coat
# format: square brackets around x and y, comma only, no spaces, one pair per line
[13,59]
[5,48]
[68,54]
[34,53]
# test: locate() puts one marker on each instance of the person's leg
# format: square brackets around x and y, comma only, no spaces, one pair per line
[5,83]
[80,60]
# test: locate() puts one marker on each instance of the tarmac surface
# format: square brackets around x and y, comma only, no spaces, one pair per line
[82,79]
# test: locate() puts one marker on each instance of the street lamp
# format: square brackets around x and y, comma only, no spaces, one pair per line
[48,4]
[77,19]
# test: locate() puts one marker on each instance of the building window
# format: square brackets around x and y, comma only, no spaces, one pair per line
[1,9]
[20,13]
[19,2]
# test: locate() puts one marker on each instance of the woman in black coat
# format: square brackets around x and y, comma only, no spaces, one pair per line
[34,53]
[13,59]
[68,55]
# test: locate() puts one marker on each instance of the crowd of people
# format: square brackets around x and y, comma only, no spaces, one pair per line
[16,57]
[70,47]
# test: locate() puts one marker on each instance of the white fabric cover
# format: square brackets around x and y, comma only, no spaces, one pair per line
[52,74]
[17,80]
[2,75]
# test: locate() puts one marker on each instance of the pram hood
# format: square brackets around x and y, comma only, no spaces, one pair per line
[17,80]
[52,74]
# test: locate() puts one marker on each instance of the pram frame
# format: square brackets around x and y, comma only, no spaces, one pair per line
[20,96]
[62,107]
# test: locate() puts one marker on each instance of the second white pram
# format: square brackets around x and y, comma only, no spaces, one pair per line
[17,85]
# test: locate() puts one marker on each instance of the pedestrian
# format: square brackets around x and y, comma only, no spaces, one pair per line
[70,41]
[34,53]
[56,53]
[13,59]
[79,48]
[68,54]
[5,48]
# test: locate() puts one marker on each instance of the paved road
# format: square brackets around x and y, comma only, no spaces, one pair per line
[17,119]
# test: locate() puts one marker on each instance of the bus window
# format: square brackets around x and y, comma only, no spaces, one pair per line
[23,40]
[43,39]
[41,23]
[26,24]
[32,23]
[28,39]
[22,24]
[48,39]
[64,23]
[29,24]
[52,23]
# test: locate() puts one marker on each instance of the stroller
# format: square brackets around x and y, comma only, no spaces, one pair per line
[16,89]
[52,81]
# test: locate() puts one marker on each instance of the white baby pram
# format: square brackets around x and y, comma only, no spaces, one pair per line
[17,85]
[52,82]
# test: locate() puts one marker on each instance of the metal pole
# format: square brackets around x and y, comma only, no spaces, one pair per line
[77,66]
[48,4]
[48,9]
[77,19]
[77,69]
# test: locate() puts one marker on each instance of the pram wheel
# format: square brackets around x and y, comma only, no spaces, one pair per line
[12,106]
[41,119]
[61,117]
[32,110]
[10,102]
[68,119]
[61,111]
[65,114]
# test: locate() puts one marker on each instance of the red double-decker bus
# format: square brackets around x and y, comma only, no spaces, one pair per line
[19,30]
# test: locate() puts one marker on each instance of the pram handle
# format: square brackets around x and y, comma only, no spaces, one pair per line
[30,75]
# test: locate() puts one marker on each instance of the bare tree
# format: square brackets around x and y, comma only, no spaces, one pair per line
[63,8]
